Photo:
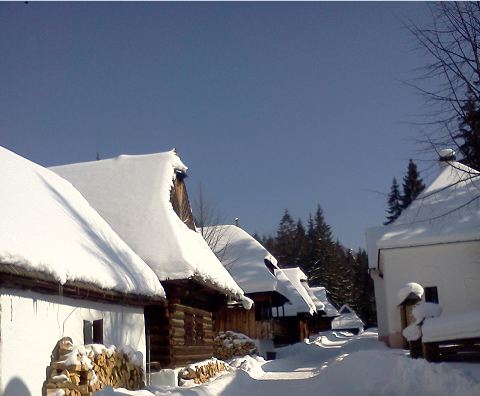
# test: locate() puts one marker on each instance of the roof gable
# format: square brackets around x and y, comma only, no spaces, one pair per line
[244,258]
[300,300]
[48,227]
[133,194]
[448,210]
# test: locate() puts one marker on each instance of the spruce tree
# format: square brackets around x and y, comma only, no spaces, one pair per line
[394,203]
[412,185]
[469,133]
[284,246]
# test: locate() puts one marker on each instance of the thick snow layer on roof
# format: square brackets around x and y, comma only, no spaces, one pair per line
[48,226]
[409,289]
[321,294]
[347,320]
[133,194]
[244,257]
[319,305]
[300,301]
[452,327]
[448,210]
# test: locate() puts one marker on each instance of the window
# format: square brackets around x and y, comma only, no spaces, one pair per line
[431,294]
[93,332]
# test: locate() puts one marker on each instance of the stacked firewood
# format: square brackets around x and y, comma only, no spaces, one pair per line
[229,344]
[80,370]
[201,372]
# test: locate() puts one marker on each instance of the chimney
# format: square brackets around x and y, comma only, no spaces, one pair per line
[446,155]
[237,222]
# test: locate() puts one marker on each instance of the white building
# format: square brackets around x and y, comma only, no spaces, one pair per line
[63,272]
[435,243]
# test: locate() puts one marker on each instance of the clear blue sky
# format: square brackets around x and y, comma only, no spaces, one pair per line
[271,105]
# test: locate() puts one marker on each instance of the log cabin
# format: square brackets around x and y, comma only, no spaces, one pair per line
[435,242]
[292,326]
[253,268]
[63,273]
[144,198]
[326,311]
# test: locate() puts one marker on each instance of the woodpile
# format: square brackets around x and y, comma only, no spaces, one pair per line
[80,370]
[201,372]
[229,344]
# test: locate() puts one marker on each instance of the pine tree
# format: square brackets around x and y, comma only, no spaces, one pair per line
[469,133]
[394,203]
[284,246]
[412,185]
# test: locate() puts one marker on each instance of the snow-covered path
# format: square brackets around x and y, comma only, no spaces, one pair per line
[336,365]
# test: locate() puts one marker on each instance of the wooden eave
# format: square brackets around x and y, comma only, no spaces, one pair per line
[276,298]
[15,277]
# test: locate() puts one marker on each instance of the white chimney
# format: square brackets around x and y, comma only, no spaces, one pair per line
[446,155]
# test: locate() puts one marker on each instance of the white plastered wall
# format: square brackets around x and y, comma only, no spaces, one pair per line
[454,268]
[32,323]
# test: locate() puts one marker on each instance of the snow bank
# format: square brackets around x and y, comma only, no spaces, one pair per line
[409,289]
[363,366]
[133,194]
[249,364]
[48,226]
[426,310]
[451,327]
[244,258]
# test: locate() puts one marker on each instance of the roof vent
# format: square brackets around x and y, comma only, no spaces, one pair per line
[446,155]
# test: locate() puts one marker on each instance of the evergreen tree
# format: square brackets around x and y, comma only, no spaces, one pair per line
[469,133]
[394,203]
[412,185]
[284,246]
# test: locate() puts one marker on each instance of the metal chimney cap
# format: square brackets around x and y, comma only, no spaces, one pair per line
[446,155]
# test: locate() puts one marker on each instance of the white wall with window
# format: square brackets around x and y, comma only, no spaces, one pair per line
[32,323]
[449,273]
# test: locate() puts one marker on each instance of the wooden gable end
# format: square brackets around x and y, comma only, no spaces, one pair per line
[180,202]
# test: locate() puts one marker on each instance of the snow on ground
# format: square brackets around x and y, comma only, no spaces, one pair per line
[333,363]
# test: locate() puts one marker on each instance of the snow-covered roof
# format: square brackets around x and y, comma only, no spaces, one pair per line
[321,294]
[49,227]
[319,305]
[244,257]
[347,319]
[300,301]
[133,194]
[448,210]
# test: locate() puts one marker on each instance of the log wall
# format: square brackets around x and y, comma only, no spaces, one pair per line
[243,321]
[178,335]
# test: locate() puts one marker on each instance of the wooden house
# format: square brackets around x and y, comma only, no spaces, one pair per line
[253,268]
[144,199]
[348,320]
[436,243]
[63,273]
[292,325]
[326,311]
